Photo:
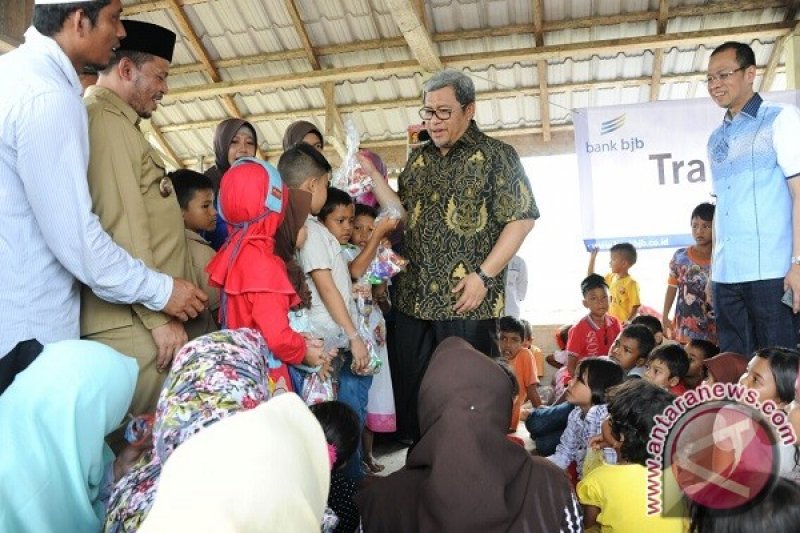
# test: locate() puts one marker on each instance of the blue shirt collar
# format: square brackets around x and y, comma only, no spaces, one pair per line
[750,108]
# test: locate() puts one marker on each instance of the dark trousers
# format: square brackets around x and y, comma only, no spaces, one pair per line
[750,316]
[414,343]
[17,360]
[546,424]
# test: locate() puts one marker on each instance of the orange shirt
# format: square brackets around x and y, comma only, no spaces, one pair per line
[525,369]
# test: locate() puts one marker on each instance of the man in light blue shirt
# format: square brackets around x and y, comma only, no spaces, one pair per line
[755,166]
[49,238]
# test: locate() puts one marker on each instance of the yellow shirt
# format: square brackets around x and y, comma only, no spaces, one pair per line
[624,293]
[620,491]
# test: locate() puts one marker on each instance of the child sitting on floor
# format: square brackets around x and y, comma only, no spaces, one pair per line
[634,345]
[340,425]
[511,333]
[666,368]
[586,391]
[698,351]
[615,496]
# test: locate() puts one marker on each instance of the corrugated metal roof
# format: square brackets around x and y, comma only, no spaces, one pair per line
[234,29]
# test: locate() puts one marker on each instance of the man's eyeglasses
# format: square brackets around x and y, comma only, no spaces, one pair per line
[722,76]
[426,113]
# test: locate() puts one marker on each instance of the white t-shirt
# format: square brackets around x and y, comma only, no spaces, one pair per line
[322,251]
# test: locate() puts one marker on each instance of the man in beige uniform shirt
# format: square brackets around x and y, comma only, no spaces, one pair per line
[135,202]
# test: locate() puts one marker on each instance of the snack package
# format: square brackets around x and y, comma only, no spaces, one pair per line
[317,390]
[350,176]
[386,265]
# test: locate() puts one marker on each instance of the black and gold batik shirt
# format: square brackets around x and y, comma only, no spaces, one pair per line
[458,204]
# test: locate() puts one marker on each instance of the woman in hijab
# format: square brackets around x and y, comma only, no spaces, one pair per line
[303,131]
[55,468]
[263,470]
[211,378]
[234,138]
[464,474]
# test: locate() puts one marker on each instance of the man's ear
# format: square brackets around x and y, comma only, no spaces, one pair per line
[584,303]
[641,361]
[78,22]
[124,68]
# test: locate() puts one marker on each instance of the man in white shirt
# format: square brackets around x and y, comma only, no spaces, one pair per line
[49,238]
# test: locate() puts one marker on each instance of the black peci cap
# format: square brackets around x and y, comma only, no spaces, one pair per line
[148,38]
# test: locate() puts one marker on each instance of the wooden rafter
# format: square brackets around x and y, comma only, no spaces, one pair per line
[691,10]
[416,35]
[541,69]
[777,49]
[658,55]
[334,128]
[547,26]
[199,50]
[302,34]
[583,49]
[692,77]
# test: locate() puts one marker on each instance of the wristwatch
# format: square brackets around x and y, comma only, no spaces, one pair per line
[483,276]
[796,260]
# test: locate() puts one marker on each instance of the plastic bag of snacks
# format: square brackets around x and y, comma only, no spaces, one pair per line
[387,264]
[350,176]
[317,390]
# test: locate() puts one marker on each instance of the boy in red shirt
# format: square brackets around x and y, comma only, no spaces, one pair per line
[593,334]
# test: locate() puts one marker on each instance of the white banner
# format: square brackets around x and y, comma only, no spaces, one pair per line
[643,168]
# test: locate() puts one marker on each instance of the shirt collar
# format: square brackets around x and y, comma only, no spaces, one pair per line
[750,108]
[111,98]
[469,138]
[48,47]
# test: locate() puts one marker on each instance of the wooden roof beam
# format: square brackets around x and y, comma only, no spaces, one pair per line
[485,95]
[658,53]
[547,26]
[302,34]
[777,49]
[525,55]
[199,50]
[541,69]
[416,35]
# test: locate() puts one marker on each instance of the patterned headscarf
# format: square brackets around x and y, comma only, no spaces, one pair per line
[211,378]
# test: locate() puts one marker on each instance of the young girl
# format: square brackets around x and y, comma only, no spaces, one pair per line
[772,372]
[255,290]
[340,425]
[615,496]
[586,391]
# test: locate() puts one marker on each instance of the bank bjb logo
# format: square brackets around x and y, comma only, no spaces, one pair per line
[612,125]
